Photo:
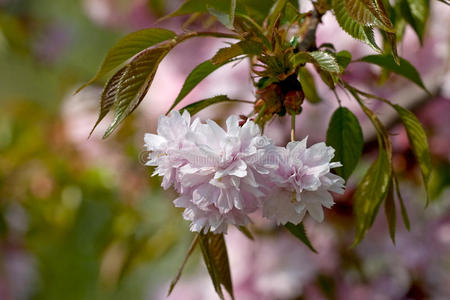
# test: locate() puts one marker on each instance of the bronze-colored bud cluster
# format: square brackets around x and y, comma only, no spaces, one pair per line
[279,98]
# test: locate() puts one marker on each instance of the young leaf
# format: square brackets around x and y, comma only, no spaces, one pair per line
[353,28]
[129,46]
[198,74]
[299,232]
[322,59]
[237,49]
[215,255]
[416,13]
[405,68]
[135,83]
[369,194]
[308,85]
[402,204]
[343,59]
[325,61]
[274,13]
[200,6]
[180,270]
[418,142]
[195,107]
[389,209]
[345,135]
[367,13]
[108,96]
[246,232]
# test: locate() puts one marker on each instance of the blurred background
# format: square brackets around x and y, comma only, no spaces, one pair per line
[83,219]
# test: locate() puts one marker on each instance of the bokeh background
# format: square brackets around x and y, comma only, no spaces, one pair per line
[83,219]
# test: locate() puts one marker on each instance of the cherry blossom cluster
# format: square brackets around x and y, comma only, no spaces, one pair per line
[224,175]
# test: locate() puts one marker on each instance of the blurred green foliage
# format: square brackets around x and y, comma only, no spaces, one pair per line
[91,233]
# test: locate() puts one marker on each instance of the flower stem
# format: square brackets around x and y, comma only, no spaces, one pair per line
[292,127]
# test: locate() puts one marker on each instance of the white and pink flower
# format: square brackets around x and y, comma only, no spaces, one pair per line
[223,176]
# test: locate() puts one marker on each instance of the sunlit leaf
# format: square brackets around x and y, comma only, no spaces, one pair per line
[322,59]
[368,13]
[135,83]
[129,46]
[418,142]
[405,68]
[237,49]
[193,79]
[215,255]
[299,232]
[389,209]
[308,85]
[344,134]
[370,193]
[353,28]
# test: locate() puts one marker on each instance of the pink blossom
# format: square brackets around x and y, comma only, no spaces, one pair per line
[302,182]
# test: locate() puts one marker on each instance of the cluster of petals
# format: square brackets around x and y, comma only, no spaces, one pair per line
[224,175]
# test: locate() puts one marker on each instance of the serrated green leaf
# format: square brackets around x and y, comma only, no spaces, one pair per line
[135,83]
[108,96]
[237,49]
[308,85]
[325,61]
[389,210]
[129,46]
[200,6]
[199,73]
[299,232]
[322,59]
[343,59]
[418,142]
[405,68]
[195,107]
[370,193]
[367,13]
[215,255]
[353,28]
[344,134]
[416,13]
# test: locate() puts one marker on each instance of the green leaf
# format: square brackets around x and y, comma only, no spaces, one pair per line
[402,204]
[135,83]
[237,49]
[215,255]
[274,13]
[370,193]
[108,96]
[344,134]
[416,13]
[389,209]
[368,13]
[308,85]
[322,59]
[343,59]
[418,142]
[180,270]
[193,79]
[200,6]
[195,107]
[405,68]
[129,46]
[299,232]
[325,61]
[353,28]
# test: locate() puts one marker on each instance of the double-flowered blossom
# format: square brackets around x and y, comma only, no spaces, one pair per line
[224,175]
[302,182]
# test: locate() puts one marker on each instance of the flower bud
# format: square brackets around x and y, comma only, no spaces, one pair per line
[293,101]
